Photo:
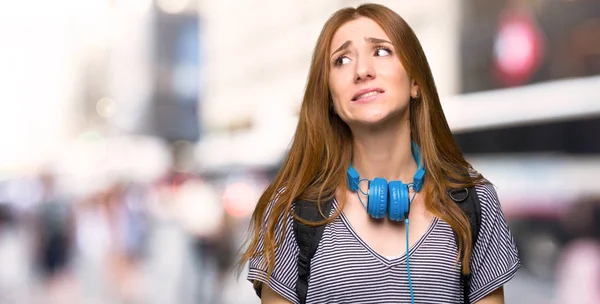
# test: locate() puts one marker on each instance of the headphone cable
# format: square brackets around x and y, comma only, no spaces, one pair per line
[412,295]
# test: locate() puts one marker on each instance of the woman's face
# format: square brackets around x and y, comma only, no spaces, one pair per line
[367,81]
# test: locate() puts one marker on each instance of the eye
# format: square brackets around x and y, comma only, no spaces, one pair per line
[341,60]
[383,51]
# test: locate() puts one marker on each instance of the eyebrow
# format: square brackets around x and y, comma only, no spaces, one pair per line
[348,43]
[377,40]
[344,46]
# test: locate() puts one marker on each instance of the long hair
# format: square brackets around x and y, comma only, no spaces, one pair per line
[321,150]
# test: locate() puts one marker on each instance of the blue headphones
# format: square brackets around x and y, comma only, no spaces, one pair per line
[388,198]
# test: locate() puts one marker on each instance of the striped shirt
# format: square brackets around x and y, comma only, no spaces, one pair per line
[346,270]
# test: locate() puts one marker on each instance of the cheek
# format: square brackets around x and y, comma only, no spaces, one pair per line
[397,74]
[335,90]
[392,69]
[402,84]
[337,107]
[333,85]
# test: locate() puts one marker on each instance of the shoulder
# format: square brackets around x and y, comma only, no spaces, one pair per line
[284,249]
[488,196]
[489,202]
[276,213]
[495,258]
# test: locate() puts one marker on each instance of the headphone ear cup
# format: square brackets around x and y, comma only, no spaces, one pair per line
[378,196]
[399,203]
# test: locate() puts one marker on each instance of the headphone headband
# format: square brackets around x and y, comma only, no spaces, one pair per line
[354,177]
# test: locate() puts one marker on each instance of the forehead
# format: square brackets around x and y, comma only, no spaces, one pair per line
[356,30]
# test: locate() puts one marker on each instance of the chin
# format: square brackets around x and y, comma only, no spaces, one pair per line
[370,121]
[376,119]
[373,117]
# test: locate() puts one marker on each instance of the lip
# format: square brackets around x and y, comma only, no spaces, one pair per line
[368,90]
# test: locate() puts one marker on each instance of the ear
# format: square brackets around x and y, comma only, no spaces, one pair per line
[414,89]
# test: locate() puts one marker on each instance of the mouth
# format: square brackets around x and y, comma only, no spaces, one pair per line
[367,93]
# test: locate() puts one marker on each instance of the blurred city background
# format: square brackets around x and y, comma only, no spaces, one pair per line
[137,135]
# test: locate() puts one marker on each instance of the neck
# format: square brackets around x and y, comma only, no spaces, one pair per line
[385,153]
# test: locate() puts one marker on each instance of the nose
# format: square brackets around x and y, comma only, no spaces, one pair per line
[364,69]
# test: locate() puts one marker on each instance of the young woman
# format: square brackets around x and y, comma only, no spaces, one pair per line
[372,135]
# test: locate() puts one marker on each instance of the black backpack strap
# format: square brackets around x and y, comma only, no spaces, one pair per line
[467,200]
[308,238]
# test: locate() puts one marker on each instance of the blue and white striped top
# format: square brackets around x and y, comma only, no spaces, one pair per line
[346,270]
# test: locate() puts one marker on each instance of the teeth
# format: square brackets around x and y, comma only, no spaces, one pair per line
[372,93]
